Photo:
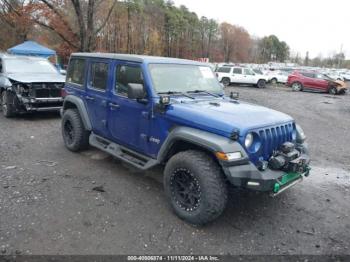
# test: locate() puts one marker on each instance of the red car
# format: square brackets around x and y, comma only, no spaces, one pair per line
[313,81]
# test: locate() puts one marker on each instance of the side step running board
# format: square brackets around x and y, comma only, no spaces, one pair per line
[131,157]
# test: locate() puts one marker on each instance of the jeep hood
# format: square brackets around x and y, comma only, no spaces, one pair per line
[222,116]
[36,78]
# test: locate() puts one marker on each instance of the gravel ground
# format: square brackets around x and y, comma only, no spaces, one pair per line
[48,205]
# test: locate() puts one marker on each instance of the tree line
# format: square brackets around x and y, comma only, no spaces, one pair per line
[151,27]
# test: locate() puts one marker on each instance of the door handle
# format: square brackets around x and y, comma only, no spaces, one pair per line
[114,106]
[90,98]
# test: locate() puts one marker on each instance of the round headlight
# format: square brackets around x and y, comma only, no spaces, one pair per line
[248,140]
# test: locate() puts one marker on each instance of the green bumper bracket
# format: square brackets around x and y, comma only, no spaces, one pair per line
[287,178]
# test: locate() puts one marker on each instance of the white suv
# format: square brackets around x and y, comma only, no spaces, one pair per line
[278,77]
[240,75]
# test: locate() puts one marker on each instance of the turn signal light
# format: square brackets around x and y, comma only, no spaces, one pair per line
[228,156]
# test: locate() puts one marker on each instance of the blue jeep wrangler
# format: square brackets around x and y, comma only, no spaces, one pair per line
[150,111]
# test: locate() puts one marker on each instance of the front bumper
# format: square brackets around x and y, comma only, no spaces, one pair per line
[43,104]
[274,182]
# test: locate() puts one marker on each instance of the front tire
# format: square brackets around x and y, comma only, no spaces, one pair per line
[75,136]
[8,108]
[333,90]
[274,81]
[195,187]
[261,83]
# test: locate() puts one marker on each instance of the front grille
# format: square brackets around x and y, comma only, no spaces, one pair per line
[50,90]
[271,139]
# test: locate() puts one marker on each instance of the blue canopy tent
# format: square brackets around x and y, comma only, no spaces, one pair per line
[31,48]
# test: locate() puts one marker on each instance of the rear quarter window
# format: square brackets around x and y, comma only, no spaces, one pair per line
[76,71]
[311,75]
[224,70]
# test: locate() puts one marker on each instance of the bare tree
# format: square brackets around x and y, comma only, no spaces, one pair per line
[89,25]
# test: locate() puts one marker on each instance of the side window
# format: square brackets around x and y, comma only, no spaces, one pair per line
[237,71]
[248,72]
[76,71]
[125,75]
[308,75]
[98,75]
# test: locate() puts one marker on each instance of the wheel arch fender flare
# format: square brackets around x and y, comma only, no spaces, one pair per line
[71,101]
[199,138]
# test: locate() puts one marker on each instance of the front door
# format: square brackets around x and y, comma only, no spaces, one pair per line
[128,119]
[249,76]
[96,95]
[320,82]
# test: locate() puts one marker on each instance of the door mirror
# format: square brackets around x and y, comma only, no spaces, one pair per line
[136,91]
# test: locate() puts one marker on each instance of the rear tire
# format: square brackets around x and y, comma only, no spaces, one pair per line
[274,81]
[195,187]
[297,86]
[225,81]
[75,136]
[8,108]
[261,83]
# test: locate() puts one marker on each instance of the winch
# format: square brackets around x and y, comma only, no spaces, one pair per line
[288,158]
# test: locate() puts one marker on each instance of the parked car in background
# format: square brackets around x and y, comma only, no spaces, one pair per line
[346,75]
[258,71]
[240,75]
[277,76]
[334,75]
[313,81]
[29,84]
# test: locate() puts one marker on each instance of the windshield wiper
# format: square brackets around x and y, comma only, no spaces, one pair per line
[203,91]
[176,93]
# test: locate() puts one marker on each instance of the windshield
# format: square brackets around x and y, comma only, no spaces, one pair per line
[183,78]
[26,65]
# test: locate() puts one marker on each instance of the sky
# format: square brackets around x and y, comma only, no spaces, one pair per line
[321,27]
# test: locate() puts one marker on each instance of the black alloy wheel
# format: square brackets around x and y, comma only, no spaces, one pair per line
[185,189]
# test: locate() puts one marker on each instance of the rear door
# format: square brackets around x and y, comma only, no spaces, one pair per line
[96,95]
[308,80]
[237,75]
